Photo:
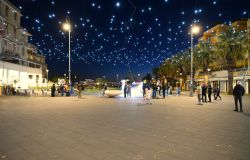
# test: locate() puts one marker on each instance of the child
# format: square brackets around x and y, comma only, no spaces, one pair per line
[147,96]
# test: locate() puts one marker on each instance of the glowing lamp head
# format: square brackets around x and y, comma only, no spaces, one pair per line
[195,29]
[66,26]
[118,4]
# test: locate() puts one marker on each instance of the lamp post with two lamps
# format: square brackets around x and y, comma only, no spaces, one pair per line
[194,30]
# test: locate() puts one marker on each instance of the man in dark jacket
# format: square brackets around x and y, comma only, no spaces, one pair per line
[238,92]
[204,93]
[53,89]
[209,90]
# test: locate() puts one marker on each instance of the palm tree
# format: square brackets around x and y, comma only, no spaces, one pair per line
[229,50]
[245,41]
[156,72]
[202,56]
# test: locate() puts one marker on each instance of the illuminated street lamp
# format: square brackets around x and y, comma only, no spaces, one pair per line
[194,30]
[67,27]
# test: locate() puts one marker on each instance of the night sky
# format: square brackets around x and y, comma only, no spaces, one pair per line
[108,35]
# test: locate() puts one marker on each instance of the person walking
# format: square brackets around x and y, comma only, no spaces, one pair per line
[218,93]
[198,92]
[209,91]
[53,89]
[215,92]
[238,92]
[204,93]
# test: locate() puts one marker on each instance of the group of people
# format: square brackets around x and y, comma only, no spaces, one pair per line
[8,90]
[205,92]
[61,90]
[160,88]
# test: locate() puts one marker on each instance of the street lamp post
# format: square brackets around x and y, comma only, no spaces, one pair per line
[194,30]
[208,70]
[47,71]
[67,27]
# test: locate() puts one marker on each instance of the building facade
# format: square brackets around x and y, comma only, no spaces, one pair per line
[14,45]
[20,76]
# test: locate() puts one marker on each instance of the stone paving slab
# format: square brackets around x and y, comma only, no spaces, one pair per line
[99,128]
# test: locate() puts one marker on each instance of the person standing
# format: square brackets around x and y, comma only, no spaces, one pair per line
[198,92]
[144,88]
[129,90]
[53,89]
[125,90]
[209,91]
[62,90]
[158,83]
[204,93]
[163,89]
[178,90]
[154,87]
[238,92]
[167,89]
[79,91]
[104,89]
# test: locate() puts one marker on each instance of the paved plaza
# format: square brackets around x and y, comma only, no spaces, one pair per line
[97,128]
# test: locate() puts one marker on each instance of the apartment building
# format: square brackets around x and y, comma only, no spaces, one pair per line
[14,45]
[212,35]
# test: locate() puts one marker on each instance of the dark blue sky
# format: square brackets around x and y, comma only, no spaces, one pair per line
[109,34]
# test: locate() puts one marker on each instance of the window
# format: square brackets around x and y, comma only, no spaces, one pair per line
[23,51]
[30,76]
[37,78]
[15,32]
[15,16]
[7,11]
[0,7]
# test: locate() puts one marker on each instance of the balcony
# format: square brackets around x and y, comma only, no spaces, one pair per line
[16,59]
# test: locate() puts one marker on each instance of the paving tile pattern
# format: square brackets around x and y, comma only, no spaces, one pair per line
[97,128]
